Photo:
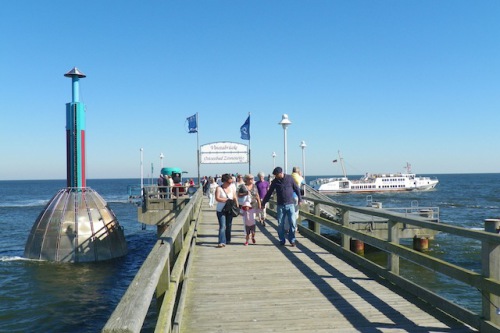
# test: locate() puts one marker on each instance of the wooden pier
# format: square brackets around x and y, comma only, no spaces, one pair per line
[265,287]
[317,286]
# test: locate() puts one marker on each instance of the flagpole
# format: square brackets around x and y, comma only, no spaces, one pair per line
[198,147]
[142,173]
[249,152]
[245,135]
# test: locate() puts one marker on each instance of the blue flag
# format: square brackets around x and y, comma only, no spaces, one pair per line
[192,125]
[245,130]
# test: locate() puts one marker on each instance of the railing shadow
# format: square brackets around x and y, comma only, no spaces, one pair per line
[486,282]
[344,306]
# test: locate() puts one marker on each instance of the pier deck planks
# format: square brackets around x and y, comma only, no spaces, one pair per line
[265,287]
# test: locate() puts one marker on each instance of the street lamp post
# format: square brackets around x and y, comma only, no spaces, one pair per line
[142,171]
[303,146]
[161,161]
[274,160]
[285,122]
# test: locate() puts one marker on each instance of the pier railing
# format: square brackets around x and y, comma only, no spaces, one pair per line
[487,281]
[160,276]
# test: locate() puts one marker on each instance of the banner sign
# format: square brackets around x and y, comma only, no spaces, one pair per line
[223,152]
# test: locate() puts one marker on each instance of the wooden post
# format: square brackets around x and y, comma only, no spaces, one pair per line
[346,244]
[163,284]
[316,226]
[490,255]
[393,237]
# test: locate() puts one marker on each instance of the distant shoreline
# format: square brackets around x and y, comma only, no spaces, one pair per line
[307,176]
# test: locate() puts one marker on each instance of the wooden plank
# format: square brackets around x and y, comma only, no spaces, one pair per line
[265,287]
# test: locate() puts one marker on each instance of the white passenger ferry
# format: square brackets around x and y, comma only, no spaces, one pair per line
[375,182]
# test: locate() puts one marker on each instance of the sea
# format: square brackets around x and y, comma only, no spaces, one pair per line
[37,296]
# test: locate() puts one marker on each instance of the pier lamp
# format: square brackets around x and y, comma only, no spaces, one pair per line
[161,161]
[274,160]
[285,122]
[303,146]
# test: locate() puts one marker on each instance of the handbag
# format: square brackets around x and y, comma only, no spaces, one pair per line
[235,210]
[230,207]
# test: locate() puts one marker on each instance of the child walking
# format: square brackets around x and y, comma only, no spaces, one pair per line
[249,197]
[248,214]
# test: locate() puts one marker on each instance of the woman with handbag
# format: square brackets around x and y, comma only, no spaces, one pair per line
[225,195]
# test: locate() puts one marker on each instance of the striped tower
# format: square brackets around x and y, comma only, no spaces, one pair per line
[77,224]
[75,134]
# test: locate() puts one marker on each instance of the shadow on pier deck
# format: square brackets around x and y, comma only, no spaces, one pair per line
[317,286]
[265,287]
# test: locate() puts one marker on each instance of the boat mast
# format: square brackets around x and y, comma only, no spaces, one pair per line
[342,165]
[408,167]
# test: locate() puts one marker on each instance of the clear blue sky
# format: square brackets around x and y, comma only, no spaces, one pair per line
[384,82]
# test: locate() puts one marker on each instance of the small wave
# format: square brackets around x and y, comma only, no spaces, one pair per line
[115,198]
[17,204]
[16,258]
[126,201]
[477,228]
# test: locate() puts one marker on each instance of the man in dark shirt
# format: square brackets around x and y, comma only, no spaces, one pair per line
[285,187]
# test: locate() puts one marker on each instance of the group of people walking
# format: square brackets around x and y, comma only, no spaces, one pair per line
[252,197]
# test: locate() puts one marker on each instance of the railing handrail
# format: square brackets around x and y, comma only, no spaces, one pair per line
[420,222]
[487,282]
[154,274]
[157,272]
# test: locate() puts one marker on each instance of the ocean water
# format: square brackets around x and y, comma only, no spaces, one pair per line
[54,297]
[464,200]
[40,296]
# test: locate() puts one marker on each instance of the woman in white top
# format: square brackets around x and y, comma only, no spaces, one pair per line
[224,193]
[212,186]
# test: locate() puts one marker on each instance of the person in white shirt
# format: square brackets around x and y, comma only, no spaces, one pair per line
[222,195]
[212,186]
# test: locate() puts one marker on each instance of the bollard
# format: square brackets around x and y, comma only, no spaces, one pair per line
[492,225]
[427,213]
[357,247]
[420,244]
